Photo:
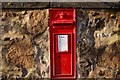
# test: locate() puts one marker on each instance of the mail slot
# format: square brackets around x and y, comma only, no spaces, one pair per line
[63,43]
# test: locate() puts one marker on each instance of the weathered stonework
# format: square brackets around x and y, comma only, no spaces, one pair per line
[25,5]
[25,43]
[59,4]
[98,43]
[21,53]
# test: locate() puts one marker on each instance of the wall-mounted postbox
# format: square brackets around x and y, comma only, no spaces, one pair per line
[63,43]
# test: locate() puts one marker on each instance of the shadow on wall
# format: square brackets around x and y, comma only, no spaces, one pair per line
[97,43]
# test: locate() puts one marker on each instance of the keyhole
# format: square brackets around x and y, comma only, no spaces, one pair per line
[58,57]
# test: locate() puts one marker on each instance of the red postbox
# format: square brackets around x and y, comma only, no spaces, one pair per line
[63,43]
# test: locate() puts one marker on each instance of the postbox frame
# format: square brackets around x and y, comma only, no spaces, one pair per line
[55,30]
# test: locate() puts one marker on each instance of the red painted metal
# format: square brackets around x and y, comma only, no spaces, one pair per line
[63,63]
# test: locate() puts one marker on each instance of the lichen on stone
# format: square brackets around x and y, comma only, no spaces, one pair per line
[22,54]
[97,46]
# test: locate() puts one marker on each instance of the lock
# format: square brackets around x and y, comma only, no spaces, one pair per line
[59,57]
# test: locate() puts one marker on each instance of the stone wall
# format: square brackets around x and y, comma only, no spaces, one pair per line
[25,43]
[98,43]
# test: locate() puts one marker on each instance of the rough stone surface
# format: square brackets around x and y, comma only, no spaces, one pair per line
[80,5]
[21,53]
[98,43]
[25,4]
[25,44]
[53,4]
[0,59]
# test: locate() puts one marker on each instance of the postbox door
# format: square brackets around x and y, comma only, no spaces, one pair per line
[63,54]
